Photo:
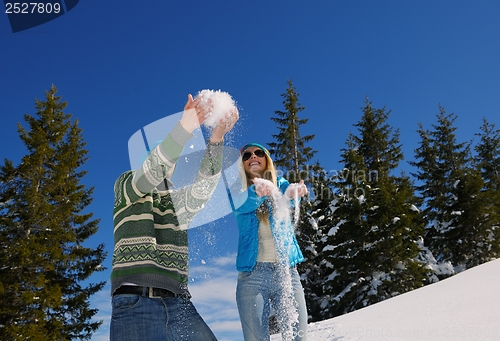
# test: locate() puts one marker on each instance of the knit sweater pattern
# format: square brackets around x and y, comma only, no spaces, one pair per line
[151,219]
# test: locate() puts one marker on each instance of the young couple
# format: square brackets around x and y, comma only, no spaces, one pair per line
[150,298]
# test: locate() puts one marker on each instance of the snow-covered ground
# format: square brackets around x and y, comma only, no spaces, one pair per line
[463,307]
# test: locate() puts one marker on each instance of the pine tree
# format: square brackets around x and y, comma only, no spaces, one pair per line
[292,155]
[373,249]
[471,238]
[42,230]
[450,192]
[290,152]
[316,218]
[487,161]
[488,156]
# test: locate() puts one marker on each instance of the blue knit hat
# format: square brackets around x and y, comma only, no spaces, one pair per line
[253,144]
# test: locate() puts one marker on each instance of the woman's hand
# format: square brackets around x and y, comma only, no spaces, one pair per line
[194,114]
[296,190]
[264,188]
[225,124]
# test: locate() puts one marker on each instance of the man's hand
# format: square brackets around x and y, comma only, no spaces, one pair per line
[225,124]
[194,114]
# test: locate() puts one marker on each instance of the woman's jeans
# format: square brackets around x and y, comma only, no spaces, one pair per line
[265,287]
[136,317]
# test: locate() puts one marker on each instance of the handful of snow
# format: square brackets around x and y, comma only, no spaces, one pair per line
[281,202]
[263,185]
[220,104]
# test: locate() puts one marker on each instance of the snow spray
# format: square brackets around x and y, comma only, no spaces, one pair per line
[287,314]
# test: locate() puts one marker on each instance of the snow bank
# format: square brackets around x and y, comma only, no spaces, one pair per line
[462,307]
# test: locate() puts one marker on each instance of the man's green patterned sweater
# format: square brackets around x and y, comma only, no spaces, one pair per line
[150,224]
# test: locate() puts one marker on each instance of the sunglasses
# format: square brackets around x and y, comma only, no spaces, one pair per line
[248,155]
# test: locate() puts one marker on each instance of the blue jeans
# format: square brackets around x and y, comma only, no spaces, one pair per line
[265,287]
[136,317]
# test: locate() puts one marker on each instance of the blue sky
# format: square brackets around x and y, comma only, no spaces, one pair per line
[122,65]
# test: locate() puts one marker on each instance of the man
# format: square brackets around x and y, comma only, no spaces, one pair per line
[150,298]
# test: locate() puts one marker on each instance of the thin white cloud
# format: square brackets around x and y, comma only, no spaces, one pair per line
[226,260]
[102,301]
[213,288]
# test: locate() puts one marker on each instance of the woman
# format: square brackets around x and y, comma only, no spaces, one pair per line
[267,250]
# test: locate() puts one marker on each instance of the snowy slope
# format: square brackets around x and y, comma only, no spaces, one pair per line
[463,307]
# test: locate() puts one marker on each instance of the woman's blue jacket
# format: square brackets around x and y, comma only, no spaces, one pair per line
[245,211]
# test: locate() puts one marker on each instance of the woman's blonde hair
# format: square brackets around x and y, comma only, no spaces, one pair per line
[269,172]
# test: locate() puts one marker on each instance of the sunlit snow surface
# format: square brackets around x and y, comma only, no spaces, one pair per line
[463,307]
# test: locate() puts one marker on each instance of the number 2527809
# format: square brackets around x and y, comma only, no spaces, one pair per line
[32,8]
